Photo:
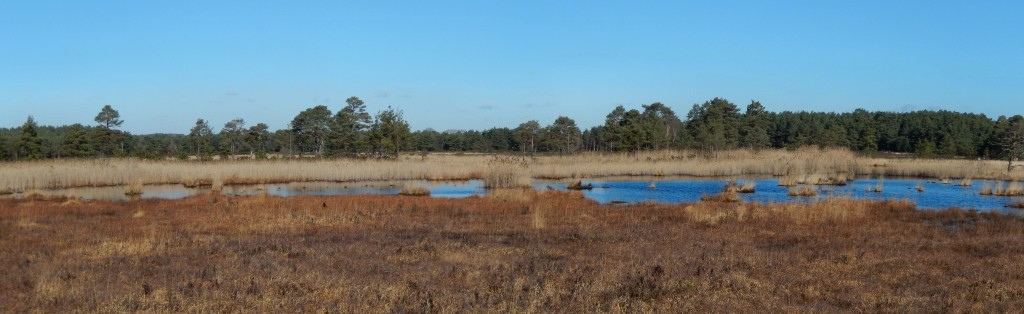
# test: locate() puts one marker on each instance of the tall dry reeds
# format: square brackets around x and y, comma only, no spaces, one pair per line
[965,182]
[1002,189]
[414,191]
[806,165]
[803,191]
[507,172]
[878,187]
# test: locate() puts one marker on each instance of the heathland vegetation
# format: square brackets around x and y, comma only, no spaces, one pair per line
[713,126]
[512,251]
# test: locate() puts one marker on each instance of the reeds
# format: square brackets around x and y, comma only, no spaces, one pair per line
[988,189]
[747,187]
[806,165]
[740,187]
[1002,189]
[506,172]
[1014,189]
[879,185]
[578,185]
[414,191]
[724,196]
[134,189]
[965,182]
[1018,205]
[789,181]
[803,191]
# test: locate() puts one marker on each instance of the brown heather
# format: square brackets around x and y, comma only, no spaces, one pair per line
[805,166]
[512,251]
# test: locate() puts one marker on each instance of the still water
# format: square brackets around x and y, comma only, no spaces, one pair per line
[935,196]
[676,190]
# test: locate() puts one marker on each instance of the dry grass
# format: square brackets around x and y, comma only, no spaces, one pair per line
[789,181]
[746,187]
[578,185]
[414,191]
[507,172]
[1019,205]
[1013,189]
[803,190]
[133,189]
[524,251]
[966,182]
[807,166]
[879,186]
[1003,189]
[724,196]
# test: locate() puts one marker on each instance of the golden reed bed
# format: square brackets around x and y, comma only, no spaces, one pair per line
[804,165]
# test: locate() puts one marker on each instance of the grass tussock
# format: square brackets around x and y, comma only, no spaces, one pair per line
[879,186]
[1018,205]
[1002,189]
[920,186]
[578,185]
[727,196]
[507,172]
[803,191]
[789,181]
[965,182]
[133,189]
[523,251]
[746,187]
[414,191]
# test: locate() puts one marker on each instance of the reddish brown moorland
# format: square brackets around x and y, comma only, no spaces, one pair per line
[515,251]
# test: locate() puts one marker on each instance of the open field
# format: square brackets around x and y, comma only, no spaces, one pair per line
[808,165]
[513,251]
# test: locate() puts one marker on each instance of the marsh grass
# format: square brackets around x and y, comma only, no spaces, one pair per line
[803,191]
[746,187]
[1002,189]
[414,191]
[578,185]
[727,196]
[806,166]
[788,181]
[879,186]
[965,182]
[507,172]
[133,189]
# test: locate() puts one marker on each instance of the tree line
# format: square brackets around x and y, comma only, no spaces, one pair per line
[714,125]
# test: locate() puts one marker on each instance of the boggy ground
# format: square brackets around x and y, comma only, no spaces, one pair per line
[513,251]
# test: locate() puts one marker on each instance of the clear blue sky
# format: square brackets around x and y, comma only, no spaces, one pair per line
[477,64]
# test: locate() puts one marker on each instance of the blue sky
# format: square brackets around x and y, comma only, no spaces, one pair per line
[478,64]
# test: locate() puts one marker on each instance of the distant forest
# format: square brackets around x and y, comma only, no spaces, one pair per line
[714,125]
